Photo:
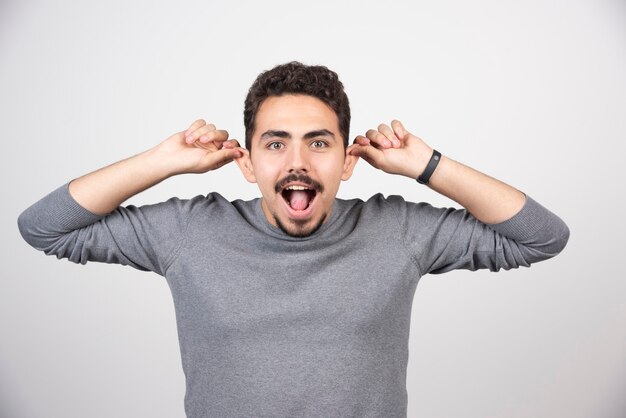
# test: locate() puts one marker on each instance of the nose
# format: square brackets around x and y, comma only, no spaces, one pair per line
[298,159]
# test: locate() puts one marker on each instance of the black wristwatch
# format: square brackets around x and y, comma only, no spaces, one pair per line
[430,168]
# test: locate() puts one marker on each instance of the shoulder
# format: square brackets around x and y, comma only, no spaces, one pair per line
[200,200]
[397,207]
[179,207]
[396,203]
[216,207]
[380,206]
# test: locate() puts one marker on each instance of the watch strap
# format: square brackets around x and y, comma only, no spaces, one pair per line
[430,167]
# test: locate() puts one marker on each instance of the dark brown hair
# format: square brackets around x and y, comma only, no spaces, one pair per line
[297,78]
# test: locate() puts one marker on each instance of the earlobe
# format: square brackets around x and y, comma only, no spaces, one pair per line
[348,165]
[245,165]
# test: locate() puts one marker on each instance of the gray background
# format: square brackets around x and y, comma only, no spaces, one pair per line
[532,92]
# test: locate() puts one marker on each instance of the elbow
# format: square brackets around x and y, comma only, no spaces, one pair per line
[552,247]
[525,254]
[33,233]
[62,245]
[26,228]
[559,240]
[563,239]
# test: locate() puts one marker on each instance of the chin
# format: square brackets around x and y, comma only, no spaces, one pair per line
[300,228]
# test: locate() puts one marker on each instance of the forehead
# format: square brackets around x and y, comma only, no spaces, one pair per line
[295,113]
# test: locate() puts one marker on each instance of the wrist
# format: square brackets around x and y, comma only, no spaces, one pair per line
[417,164]
[161,163]
[432,165]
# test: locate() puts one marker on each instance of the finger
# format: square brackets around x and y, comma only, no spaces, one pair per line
[369,153]
[242,152]
[224,156]
[195,125]
[218,136]
[399,129]
[194,135]
[378,139]
[361,140]
[389,134]
[231,143]
[351,148]
[197,133]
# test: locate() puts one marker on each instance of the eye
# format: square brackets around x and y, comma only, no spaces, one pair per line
[319,144]
[275,145]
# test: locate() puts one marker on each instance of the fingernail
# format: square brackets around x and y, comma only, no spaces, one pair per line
[204,138]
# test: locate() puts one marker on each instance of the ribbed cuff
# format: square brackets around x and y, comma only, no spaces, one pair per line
[526,223]
[66,211]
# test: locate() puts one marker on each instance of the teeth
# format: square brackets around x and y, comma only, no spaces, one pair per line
[297,188]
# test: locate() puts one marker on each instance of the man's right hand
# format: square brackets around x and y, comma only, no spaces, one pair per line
[201,148]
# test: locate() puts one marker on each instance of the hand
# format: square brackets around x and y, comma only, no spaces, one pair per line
[199,149]
[393,150]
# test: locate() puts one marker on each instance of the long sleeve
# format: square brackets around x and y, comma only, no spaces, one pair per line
[145,237]
[443,239]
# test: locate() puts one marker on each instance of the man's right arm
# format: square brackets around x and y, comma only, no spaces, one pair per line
[83,221]
[199,149]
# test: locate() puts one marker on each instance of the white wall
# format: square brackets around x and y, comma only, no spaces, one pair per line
[531,92]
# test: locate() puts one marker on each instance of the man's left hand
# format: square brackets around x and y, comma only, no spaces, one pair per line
[393,150]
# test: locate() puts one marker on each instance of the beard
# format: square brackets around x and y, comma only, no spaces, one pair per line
[298,228]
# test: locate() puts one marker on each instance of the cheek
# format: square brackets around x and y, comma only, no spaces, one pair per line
[265,176]
[265,161]
[331,170]
[327,160]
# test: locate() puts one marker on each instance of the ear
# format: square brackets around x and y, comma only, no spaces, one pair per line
[245,165]
[348,164]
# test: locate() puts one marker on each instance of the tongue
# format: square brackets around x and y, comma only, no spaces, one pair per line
[299,199]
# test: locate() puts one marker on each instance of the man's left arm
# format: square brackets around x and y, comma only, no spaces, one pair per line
[396,151]
[504,208]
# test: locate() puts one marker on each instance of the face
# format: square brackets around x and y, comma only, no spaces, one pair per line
[298,160]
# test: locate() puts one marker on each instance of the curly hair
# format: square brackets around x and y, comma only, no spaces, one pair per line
[297,78]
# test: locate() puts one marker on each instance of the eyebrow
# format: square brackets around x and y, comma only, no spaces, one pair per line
[284,134]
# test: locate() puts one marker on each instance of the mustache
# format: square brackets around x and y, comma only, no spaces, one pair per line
[302,178]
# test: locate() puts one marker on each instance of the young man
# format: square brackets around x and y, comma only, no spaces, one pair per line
[296,303]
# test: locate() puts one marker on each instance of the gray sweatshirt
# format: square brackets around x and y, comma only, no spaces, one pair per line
[275,326]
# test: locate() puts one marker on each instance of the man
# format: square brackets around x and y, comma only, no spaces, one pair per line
[296,303]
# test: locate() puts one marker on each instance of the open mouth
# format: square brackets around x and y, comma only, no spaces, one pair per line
[298,197]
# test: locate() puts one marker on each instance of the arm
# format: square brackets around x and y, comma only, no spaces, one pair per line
[506,229]
[197,150]
[84,222]
[444,239]
[397,151]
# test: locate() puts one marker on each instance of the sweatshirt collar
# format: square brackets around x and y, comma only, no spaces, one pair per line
[275,231]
